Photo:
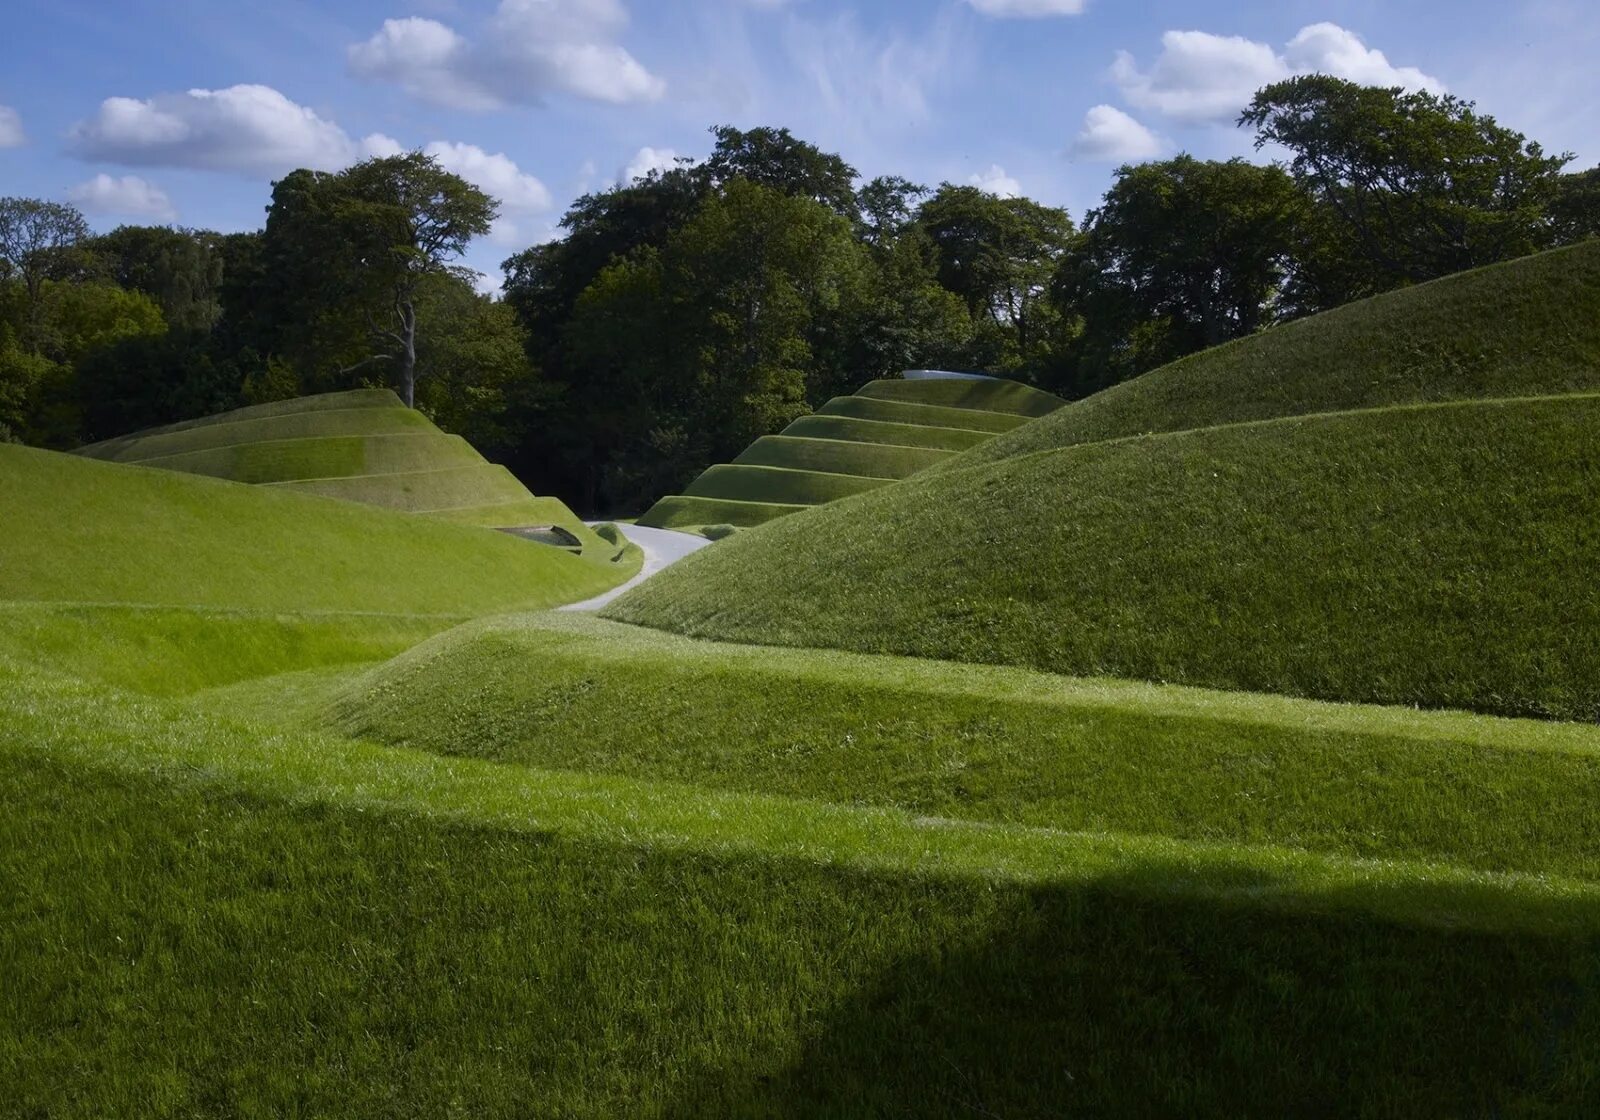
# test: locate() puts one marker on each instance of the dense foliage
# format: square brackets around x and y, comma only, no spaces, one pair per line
[687,312]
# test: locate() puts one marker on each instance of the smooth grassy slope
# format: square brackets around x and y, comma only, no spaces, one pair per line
[849,428]
[993,744]
[81,530]
[988,395]
[930,415]
[1438,555]
[778,485]
[345,402]
[868,460]
[679,511]
[287,460]
[233,919]
[1523,328]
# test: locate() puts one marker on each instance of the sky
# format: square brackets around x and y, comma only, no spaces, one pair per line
[185,111]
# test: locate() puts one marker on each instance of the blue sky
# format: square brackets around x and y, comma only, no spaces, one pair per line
[185,110]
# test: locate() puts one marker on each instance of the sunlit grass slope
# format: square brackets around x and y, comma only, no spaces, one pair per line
[887,431]
[1524,328]
[1437,555]
[80,530]
[216,917]
[361,446]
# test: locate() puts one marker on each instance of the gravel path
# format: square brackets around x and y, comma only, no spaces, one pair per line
[661,548]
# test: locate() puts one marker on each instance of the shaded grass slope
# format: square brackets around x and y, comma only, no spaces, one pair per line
[887,431]
[1437,555]
[232,919]
[1527,327]
[81,530]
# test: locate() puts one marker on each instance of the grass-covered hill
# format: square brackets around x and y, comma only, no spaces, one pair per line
[887,431]
[1528,327]
[362,446]
[1432,554]
[86,531]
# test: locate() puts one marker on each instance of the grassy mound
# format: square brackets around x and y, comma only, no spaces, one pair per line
[682,512]
[406,933]
[1435,555]
[81,530]
[361,446]
[888,431]
[1528,327]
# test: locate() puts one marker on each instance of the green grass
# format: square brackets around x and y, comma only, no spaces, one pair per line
[1524,328]
[964,393]
[216,917]
[680,512]
[868,460]
[363,421]
[286,460]
[928,415]
[882,431]
[993,744]
[1440,556]
[81,530]
[325,402]
[778,485]
[470,487]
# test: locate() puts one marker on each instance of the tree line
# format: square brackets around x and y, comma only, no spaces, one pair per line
[683,314]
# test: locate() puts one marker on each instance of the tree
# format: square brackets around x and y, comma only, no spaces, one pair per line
[181,269]
[775,158]
[888,206]
[37,243]
[998,255]
[1575,213]
[1204,245]
[1418,185]
[407,219]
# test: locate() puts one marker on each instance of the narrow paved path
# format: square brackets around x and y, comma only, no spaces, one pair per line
[661,547]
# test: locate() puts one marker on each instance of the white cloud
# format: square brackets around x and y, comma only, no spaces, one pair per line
[1203,77]
[128,196]
[246,128]
[646,160]
[11,134]
[995,181]
[494,174]
[1111,136]
[1027,9]
[862,83]
[527,49]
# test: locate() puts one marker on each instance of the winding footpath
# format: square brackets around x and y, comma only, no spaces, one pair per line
[661,547]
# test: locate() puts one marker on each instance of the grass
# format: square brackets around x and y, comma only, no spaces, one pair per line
[360,446]
[927,415]
[1524,328]
[1438,556]
[285,460]
[868,460]
[237,919]
[681,512]
[963,393]
[81,530]
[883,431]
[777,485]
[991,744]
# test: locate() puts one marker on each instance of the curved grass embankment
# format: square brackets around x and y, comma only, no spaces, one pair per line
[79,530]
[1439,556]
[867,460]
[777,485]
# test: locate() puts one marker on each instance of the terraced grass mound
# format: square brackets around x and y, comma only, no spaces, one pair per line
[78,530]
[1437,555]
[887,431]
[361,446]
[202,902]
[1527,327]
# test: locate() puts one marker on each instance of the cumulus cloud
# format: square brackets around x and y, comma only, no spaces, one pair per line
[1203,77]
[11,134]
[1110,135]
[128,196]
[496,174]
[1027,9]
[646,160]
[995,181]
[527,50]
[246,128]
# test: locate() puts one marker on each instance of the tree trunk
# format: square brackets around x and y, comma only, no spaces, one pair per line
[408,353]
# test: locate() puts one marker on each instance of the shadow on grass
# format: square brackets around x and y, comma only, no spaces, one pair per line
[1093,1003]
